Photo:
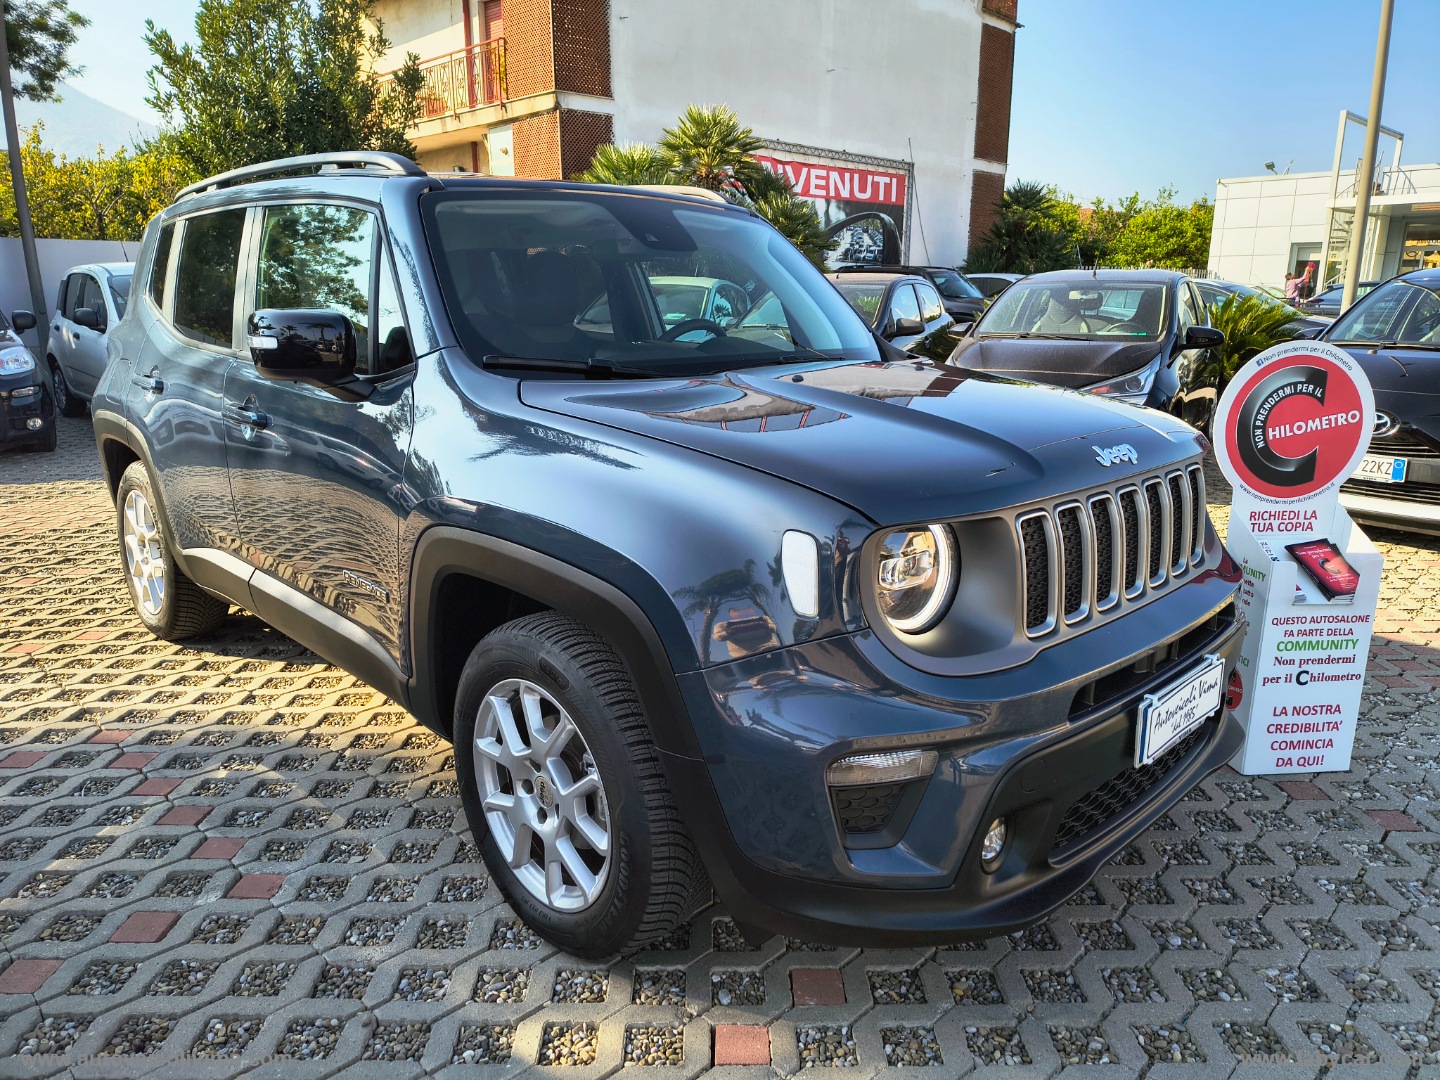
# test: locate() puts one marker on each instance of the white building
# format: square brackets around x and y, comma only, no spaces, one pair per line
[894,118]
[1268,226]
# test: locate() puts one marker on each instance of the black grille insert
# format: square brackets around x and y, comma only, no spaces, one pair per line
[1071,543]
[1177,523]
[1104,549]
[1130,522]
[1157,528]
[1091,812]
[1197,505]
[1037,573]
[866,809]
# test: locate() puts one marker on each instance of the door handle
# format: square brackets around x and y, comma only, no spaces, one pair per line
[246,415]
[151,383]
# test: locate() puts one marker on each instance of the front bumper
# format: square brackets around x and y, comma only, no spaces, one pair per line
[23,398]
[1049,745]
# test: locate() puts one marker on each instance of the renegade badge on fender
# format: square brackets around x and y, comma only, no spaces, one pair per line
[888,651]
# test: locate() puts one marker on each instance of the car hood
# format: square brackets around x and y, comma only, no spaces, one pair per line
[899,442]
[1056,361]
[1400,371]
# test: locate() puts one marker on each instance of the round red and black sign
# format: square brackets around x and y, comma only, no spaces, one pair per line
[1234,691]
[1294,421]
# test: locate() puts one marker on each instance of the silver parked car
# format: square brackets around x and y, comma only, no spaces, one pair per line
[92,299]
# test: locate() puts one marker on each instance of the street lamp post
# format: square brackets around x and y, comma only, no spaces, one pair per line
[1363,178]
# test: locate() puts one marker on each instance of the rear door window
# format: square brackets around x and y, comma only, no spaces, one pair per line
[930,306]
[903,304]
[205,277]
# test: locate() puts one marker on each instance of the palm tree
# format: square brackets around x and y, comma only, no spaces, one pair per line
[1025,238]
[707,146]
[1251,324]
[627,163]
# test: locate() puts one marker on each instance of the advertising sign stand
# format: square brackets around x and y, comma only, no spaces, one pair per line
[1292,426]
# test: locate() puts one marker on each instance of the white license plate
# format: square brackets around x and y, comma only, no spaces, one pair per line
[1382,470]
[1168,716]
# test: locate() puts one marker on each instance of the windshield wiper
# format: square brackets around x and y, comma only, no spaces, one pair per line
[593,366]
[1391,345]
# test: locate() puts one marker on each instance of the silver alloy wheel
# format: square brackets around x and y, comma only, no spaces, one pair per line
[542,795]
[144,558]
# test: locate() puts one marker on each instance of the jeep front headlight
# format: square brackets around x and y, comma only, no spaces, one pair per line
[14,361]
[915,576]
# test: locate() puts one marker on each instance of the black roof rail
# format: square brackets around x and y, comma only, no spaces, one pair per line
[376,161]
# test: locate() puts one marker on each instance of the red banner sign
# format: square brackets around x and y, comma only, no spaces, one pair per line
[841,182]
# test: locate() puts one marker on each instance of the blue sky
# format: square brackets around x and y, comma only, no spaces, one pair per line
[1111,96]
[1115,96]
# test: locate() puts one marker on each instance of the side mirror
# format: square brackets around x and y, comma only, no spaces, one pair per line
[312,347]
[906,327]
[22,320]
[1203,337]
[89,318]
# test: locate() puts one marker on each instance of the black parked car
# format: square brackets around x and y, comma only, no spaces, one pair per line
[1394,333]
[1139,336]
[1328,302]
[894,652]
[27,406]
[963,301]
[992,285]
[1213,291]
[903,309]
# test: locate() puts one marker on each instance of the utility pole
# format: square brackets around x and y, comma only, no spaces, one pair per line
[22,201]
[1364,178]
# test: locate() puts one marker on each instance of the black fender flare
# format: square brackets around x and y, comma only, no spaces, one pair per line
[443,550]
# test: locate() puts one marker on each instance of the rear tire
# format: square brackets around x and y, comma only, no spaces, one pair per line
[66,403]
[169,604]
[629,874]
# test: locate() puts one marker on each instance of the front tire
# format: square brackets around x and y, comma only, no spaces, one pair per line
[66,403]
[169,604]
[563,790]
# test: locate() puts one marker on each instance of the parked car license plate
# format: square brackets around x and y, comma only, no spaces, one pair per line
[1382,470]
[1168,716]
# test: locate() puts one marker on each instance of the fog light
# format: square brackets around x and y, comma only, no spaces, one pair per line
[888,768]
[35,423]
[993,845]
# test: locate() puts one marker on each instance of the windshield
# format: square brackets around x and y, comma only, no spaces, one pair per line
[864,298]
[954,286]
[120,292]
[648,283]
[1083,308]
[1398,312]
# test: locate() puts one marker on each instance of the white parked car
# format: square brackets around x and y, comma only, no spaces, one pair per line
[92,299]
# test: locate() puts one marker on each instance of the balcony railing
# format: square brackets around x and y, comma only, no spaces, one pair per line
[461,80]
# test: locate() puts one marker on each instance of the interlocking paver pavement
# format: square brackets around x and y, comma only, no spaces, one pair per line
[209,850]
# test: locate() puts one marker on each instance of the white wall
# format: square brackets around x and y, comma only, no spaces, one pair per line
[851,75]
[429,27]
[1259,218]
[56,256]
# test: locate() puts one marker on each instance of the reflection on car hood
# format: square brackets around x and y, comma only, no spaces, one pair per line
[1059,362]
[897,441]
[1401,371]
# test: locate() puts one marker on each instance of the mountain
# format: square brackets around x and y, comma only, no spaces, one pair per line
[75,125]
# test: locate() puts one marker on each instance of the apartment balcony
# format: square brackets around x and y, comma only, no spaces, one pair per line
[458,82]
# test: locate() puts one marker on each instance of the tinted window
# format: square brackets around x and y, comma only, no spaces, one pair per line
[1397,311]
[120,292]
[903,304]
[955,286]
[1189,311]
[74,295]
[1082,308]
[865,298]
[569,275]
[391,337]
[930,306]
[160,263]
[205,277]
[319,257]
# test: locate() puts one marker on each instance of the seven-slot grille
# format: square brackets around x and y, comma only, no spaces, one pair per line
[1084,556]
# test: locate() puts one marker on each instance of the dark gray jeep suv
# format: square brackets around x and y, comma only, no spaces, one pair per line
[888,651]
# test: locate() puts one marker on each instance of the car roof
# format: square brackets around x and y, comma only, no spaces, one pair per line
[110,268]
[875,277]
[1428,275]
[1152,277]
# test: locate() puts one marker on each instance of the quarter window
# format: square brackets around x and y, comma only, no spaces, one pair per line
[320,257]
[74,295]
[205,278]
[930,306]
[160,264]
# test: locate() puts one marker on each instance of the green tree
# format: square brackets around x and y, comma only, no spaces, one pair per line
[1251,324]
[1163,233]
[1028,236]
[105,197]
[628,164]
[708,147]
[39,34]
[276,78]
